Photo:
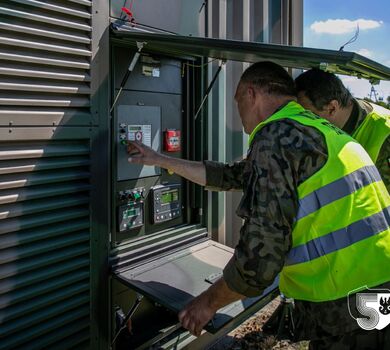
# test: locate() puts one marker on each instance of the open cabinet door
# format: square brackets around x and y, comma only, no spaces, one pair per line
[339,62]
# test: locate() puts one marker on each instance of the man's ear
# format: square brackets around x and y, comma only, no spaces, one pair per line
[332,108]
[252,93]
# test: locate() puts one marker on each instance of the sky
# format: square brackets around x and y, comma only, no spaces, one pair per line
[331,23]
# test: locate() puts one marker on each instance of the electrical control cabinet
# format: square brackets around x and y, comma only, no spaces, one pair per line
[161,247]
[150,110]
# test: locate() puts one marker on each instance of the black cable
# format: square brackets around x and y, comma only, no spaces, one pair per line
[353,39]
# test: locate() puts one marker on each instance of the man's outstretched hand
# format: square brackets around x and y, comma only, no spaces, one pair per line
[201,309]
[141,154]
[196,314]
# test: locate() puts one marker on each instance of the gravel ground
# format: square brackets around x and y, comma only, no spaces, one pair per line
[249,336]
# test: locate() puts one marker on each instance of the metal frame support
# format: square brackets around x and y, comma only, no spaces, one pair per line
[133,62]
[221,63]
[130,313]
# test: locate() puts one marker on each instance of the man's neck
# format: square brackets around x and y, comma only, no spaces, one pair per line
[274,104]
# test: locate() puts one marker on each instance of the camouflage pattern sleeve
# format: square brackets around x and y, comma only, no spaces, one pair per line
[224,177]
[283,155]
[383,163]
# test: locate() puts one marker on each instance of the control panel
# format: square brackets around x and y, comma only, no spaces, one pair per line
[142,124]
[131,212]
[140,133]
[166,202]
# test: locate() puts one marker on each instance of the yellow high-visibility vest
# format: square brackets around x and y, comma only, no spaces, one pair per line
[374,130]
[341,234]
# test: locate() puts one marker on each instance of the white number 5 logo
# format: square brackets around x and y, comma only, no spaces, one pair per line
[363,302]
[375,309]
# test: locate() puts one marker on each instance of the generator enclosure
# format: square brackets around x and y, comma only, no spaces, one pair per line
[88,239]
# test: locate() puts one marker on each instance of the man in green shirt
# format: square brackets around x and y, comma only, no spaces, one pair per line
[324,94]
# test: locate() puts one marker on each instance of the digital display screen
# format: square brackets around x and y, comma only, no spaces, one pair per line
[131,212]
[169,196]
[134,128]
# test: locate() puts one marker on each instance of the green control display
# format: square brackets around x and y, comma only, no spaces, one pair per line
[166,202]
[169,196]
[131,212]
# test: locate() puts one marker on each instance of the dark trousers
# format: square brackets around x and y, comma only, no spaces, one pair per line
[356,340]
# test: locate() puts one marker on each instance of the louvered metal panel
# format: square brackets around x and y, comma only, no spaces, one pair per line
[47,73]
[45,58]
[68,322]
[35,278]
[46,132]
[33,58]
[39,116]
[13,225]
[44,214]
[42,45]
[41,192]
[49,101]
[35,295]
[28,236]
[43,88]
[75,341]
[82,2]
[21,166]
[45,33]
[27,150]
[48,311]
[54,8]
[37,301]
[46,19]
[38,206]
[21,180]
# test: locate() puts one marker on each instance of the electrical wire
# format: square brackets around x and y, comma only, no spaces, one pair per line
[353,39]
[196,65]
[200,65]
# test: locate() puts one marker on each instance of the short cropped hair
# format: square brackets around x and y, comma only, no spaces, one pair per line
[322,87]
[270,78]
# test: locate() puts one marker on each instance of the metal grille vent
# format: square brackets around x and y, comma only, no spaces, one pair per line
[44,233]
[45,58]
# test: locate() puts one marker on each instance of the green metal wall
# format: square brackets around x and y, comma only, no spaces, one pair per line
[46,138]
[268,21]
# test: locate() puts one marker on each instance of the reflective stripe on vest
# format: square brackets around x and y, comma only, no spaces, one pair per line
[341,238]
[341,235]
[337,189]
